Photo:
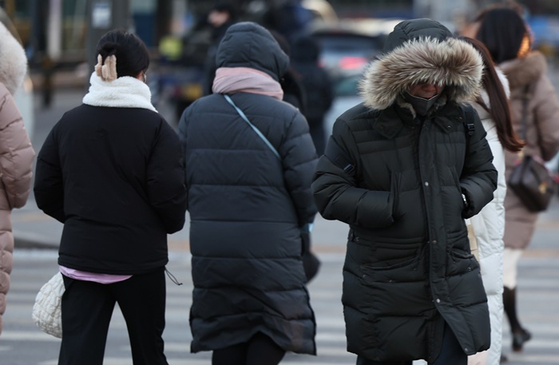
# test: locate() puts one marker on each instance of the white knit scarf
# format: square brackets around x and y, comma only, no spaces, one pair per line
[124,92]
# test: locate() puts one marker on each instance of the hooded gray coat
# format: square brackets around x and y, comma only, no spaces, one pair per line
[408,265]
[247,207]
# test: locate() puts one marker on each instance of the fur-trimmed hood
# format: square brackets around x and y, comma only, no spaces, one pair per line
[13,62]
[422,50]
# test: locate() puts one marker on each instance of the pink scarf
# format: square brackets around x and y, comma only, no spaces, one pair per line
[244,79]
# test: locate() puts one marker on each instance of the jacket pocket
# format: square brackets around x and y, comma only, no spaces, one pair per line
[456,180]
[461,261]
[395,191]
[405,270]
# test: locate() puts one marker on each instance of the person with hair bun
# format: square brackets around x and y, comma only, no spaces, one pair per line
[111,171]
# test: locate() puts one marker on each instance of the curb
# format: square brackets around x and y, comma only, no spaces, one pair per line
[33,241]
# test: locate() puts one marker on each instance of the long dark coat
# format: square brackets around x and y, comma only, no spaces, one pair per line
[408,265]
[247,207]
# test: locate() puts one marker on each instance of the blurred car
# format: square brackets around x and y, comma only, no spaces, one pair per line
[346,49]
[321,10]
[350,44]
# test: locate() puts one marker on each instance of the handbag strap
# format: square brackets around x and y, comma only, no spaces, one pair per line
[244,117]
[523,122]
[525,97]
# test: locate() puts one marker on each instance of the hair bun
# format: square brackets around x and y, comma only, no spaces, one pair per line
[109,49]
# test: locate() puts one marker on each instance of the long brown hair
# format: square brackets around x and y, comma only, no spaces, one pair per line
[500,107]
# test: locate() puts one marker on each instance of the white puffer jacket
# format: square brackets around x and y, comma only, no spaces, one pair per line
[489,228]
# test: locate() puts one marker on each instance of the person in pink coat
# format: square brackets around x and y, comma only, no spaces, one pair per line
[16,153]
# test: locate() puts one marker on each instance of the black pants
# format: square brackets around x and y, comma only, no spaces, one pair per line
[259,350]
[87,308]
[451,353]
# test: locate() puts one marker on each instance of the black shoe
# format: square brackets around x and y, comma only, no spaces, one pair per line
[503,359]
[518,339]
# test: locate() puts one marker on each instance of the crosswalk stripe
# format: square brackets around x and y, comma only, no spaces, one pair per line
[28,336]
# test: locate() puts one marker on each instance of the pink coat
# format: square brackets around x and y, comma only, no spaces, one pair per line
[542,135]
[16,161]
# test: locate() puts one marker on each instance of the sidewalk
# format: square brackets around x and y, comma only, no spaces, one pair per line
[34,229]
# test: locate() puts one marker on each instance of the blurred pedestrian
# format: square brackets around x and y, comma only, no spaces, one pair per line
[249,159]
[317,85]
[222,15]
[488,226]
[404,169]
[293,92]
[288,17]
[507,37]
[111,171]
[16,153]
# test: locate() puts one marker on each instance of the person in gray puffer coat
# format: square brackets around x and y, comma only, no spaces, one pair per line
[404,169]
[248,207]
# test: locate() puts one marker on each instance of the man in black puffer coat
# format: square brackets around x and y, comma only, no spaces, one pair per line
[248,205]
[404,169]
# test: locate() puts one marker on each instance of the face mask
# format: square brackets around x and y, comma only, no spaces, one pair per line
[420,105]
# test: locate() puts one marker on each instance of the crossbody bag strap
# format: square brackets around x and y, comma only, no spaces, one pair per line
[523,117]
[525,97]
[244,117]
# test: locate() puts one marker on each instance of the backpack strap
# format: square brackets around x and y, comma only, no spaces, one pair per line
[469,126]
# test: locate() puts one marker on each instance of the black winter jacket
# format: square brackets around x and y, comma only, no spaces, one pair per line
[397,181]
[247,208]
[115,177]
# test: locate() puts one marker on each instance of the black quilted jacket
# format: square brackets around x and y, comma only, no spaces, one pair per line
[247,208]
[408,264]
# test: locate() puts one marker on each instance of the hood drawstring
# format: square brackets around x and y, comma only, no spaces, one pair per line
[172,277]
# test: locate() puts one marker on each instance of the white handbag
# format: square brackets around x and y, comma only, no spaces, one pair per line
[47,311]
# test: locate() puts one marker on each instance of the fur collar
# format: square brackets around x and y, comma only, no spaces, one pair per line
[522,71]
[13,62]
[452,62]
[124,92]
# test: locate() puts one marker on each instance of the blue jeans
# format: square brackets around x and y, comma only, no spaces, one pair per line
[451,353]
